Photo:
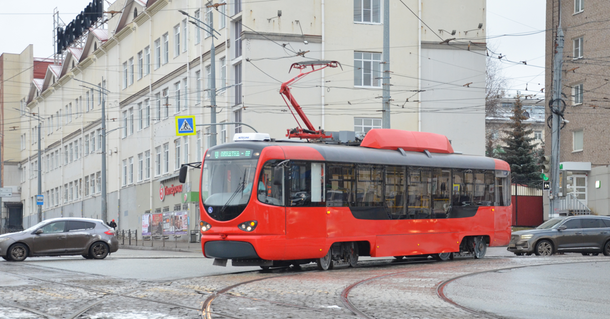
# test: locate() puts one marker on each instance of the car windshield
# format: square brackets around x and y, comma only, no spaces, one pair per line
[33,228]
[550,223]
[226,183]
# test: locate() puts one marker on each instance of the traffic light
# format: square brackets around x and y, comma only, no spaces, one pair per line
[546,167]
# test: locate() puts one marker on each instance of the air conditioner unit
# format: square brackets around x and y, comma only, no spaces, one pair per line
[18,165]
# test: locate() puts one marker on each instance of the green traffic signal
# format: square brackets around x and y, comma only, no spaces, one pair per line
[544,177]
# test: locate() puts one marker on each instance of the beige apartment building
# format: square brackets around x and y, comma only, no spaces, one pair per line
[152,64]
[584,147]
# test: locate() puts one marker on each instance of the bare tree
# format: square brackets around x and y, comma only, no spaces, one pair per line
[495,85]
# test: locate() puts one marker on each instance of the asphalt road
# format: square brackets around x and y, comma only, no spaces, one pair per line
[134,284]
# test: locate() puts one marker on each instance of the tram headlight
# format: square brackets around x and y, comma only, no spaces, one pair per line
[248,226]
[204,226]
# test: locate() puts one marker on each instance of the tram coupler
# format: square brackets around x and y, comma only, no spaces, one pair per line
[220,262]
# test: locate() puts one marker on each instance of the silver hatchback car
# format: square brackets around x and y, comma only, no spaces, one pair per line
[91,238]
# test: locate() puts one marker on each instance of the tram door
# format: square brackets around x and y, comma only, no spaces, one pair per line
[306,213]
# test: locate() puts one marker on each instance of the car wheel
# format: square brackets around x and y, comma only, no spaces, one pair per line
[18,252]
[607,248]
[98,250]
[544,248]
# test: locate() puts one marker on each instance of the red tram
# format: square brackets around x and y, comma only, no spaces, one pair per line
[399,193]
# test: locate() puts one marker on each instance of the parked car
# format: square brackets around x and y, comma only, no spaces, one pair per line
[577,234]
[91,238]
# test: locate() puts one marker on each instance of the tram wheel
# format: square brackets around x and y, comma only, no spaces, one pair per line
[480,247]
[353,256]
[443,256]
[326,262]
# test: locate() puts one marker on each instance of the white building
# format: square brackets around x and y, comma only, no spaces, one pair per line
[155,65]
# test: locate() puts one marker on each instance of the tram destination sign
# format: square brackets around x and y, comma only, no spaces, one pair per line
[79,26]
[235,153]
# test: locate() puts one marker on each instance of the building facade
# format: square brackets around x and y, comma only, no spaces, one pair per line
[584,150]
[150,63]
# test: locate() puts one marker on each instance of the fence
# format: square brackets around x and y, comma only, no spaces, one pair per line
[571,205]
[128,237]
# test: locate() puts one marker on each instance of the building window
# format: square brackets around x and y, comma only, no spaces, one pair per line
[578,48]
[93,142]
[140,117]
[237,117]
[177,154]
[124,172]
[184,35]
[147,165]
[165,103]
[124,82]
[367,69]
[131,126]
[198,86]
[177,97]
[208,87]
[367,11]
[223,134]
[199,146]
[363,125]
[538,135]
[197,27]
[237,90]
[578,141]
[165,48]
[158,161]
[131,71]
[578,6]
[185,94]
[140,65]
[157,53]
[223,74]
[177,40]
[86,145]
[157,107]
[208,19]
[125,121]
[185,149]
[577,94]
[237,7]
[237,37]
[146,60]
[223,11]
[165,157]
[131,170]
[146,113]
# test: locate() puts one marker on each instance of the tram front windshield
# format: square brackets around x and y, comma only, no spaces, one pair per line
[226,185]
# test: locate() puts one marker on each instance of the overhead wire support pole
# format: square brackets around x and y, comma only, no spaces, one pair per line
[385,120]
[556,105]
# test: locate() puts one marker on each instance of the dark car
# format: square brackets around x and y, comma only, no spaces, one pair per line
[577,234]
[91,238]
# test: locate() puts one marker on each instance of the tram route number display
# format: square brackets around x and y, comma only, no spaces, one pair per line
[237,153]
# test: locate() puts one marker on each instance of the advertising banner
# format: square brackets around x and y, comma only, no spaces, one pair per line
[146,229]
[157,224]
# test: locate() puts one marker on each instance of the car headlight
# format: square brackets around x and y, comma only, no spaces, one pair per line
[4,239]
[526,237]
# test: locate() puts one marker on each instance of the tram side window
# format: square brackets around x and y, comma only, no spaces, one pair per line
[340,179]
[488,196]
[306,181]
[271,184]
[479,189]
[369,187]
[419,189]
[502,188]
[441,191]
[395,191]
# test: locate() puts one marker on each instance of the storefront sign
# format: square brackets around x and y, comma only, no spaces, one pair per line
[171,190]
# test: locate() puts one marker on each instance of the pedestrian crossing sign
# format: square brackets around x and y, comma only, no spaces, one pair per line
[185,125]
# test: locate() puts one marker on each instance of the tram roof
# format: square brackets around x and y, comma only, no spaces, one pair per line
[364,155]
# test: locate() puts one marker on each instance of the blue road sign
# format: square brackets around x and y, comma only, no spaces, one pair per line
[185,125]
[39,200]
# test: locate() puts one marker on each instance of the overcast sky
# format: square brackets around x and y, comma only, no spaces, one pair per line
[515,29]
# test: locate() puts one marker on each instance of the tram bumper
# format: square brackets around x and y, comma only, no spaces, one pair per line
[226,249]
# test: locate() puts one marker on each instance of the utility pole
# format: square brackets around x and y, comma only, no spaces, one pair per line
[39,168]
[385,119]
[556,105]
[211,31]
[103,137]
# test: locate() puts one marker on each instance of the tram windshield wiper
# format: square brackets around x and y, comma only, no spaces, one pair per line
[239,189]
